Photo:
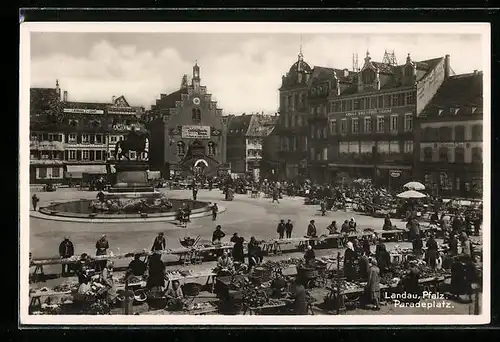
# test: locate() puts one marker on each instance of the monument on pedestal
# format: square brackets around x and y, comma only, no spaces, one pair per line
[131,191]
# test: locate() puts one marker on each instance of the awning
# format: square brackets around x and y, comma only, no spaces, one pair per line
[95,169]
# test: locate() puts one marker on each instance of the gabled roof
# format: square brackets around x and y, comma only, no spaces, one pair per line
[238,125]
[261,125]
[121,102]
[168,101]
[457,92]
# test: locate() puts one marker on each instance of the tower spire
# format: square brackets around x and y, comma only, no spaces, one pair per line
[301,55]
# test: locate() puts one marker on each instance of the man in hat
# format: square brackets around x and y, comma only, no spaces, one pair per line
[159,243]
[238,254]
[373,285]
[66,250]
[102,246]
[311,231]
[289,229]
[281,229]
[215,210]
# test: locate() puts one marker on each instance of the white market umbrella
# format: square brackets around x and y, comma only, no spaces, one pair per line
[411,194]
[414,186]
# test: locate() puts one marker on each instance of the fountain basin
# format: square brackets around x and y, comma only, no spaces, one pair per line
[81,209]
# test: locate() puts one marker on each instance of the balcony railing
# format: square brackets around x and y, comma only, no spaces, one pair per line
[47,145]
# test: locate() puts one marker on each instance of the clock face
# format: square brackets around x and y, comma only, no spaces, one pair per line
[196,100]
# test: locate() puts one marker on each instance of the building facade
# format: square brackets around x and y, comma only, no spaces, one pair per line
[245,141]
[451,138]
[187,131]
[69,139]
[292,125]
[357,123]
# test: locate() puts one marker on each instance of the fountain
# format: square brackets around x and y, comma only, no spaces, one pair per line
[130,197]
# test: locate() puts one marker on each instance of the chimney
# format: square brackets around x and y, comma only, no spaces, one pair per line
[113,98]
[447,66]
[65,96]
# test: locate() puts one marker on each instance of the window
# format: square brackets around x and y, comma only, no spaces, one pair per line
[380,103]
[408,122]
[211,148]
[299,121]
[394,147]
[394,123]
[42,172]
[113,139]
[305,144]
[55,172]
[325,153]
[394,100]
[72,137]
[401,99]
[286,121]
[292,121]
[196,115]
[313,155]
[477,132]
[408,147]
[362,103]
[459,155]
[98,155]
[98,139]
[387,101]
[343,126]
[85,155]
[71,154]
[380,124]
[357,104]
[85,138]
[443,154]
[313,130]
[408,70]
[368,124]
[445,133]
[354,126]
[333,127]
[348,105]
[459,133]
[181,148]
[319,133]
[373,102]
[410,98]
[477,154]
[428,154]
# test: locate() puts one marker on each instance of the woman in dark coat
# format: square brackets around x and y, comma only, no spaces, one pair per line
[432,252]
[238,254]
[156,274]
[350,260]
[383,259]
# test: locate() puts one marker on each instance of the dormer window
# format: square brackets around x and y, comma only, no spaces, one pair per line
[368,76]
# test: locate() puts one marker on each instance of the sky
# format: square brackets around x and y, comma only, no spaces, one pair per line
[242,71]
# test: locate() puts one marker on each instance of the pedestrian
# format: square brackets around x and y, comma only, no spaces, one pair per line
[289,229]
[159,243]
[217,237]
[215,210]
[281,229]
[417,246]
[311,232]
[195,192]
[34,201]
[276,195]
[66,250]
[238,254]
[373,285]
[323,208]
[432,252]
[102,246]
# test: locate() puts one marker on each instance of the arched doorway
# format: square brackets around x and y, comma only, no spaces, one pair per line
[199,167]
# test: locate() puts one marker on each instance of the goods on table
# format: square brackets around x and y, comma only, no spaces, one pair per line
[199,306]
[274,264]
[66,286]
[178,273]
[131,280]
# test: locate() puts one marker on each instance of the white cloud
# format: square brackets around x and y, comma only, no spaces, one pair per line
[243,80]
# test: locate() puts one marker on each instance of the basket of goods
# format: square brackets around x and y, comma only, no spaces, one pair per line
[157,300]
[191,289]
[175,304]
[265,274]
[306,273]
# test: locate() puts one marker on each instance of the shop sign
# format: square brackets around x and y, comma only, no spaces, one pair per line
[122,111]
[195,132]
[83,111]
[369,112]
[395,173]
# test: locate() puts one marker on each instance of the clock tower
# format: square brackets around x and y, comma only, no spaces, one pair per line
[196,77]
